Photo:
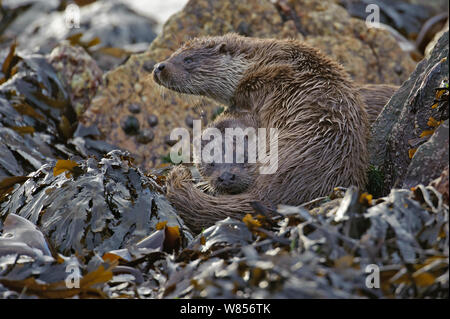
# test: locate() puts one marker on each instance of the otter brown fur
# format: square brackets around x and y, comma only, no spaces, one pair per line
[224,177]
[376,96]
[288,85]
[234,178]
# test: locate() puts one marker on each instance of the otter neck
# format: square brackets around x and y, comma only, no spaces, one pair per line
[228,76]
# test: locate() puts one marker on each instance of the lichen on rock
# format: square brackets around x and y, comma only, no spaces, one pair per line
[409,120]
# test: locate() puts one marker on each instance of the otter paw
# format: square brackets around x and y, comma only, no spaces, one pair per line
[178,175]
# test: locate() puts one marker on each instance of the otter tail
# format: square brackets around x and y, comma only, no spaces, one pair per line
[200,210]
[376,96]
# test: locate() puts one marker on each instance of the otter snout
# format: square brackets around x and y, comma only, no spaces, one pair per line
[167,74]
[159,67]
[226,178]
[230,183]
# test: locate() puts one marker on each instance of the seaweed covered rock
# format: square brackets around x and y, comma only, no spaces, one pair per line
[91,206]
[430,158]
[111,29]
[37,120]
[17,15]
[80,72]
[35,114]
[27,264]
[328,256]
[409,140]
[369,55]
[349,247]
[300,254]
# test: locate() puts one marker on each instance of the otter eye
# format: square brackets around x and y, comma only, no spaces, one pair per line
[188,60]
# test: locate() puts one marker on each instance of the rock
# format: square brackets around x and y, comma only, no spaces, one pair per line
[405,16]
[19,14]
[430,159]
[152,120]
[442,185]
[80,71]
[408,120]
[130,125]
[145,136]
[435,7]
[114,23]
[377,59]
[368,55]
[37,120]
[435,39]
[103,205]
[134,108]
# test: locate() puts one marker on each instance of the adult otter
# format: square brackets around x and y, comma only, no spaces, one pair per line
[234,178]
[309,98]
[376,96]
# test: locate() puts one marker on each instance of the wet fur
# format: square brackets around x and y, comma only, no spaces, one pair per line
[244,173]
[320,114]
[376,96]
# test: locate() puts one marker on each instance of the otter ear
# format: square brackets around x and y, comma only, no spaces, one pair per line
[222,48]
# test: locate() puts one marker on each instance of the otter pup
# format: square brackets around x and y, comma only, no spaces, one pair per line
[224,177]
[290,86]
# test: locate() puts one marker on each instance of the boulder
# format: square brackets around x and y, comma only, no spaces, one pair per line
[429,160]
[403,146]
[93,205]
[111,28]
[80,72]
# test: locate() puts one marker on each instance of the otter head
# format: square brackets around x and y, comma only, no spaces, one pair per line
[227,178]
[209,66]
[237,175]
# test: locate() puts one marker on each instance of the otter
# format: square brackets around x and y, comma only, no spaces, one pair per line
[288,85]
[376,96]
[234,178]
[222,177]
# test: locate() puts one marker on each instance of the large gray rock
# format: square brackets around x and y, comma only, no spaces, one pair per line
[429,160]
[407,122]
[113,23]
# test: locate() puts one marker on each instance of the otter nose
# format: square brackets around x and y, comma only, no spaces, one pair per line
[159,67]
[226,177]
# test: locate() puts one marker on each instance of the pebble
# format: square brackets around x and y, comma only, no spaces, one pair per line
[398,69]
[168,141]
[189,120]
[130,125]
[134,108]
[138,88]
[145,136]
[152,120]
